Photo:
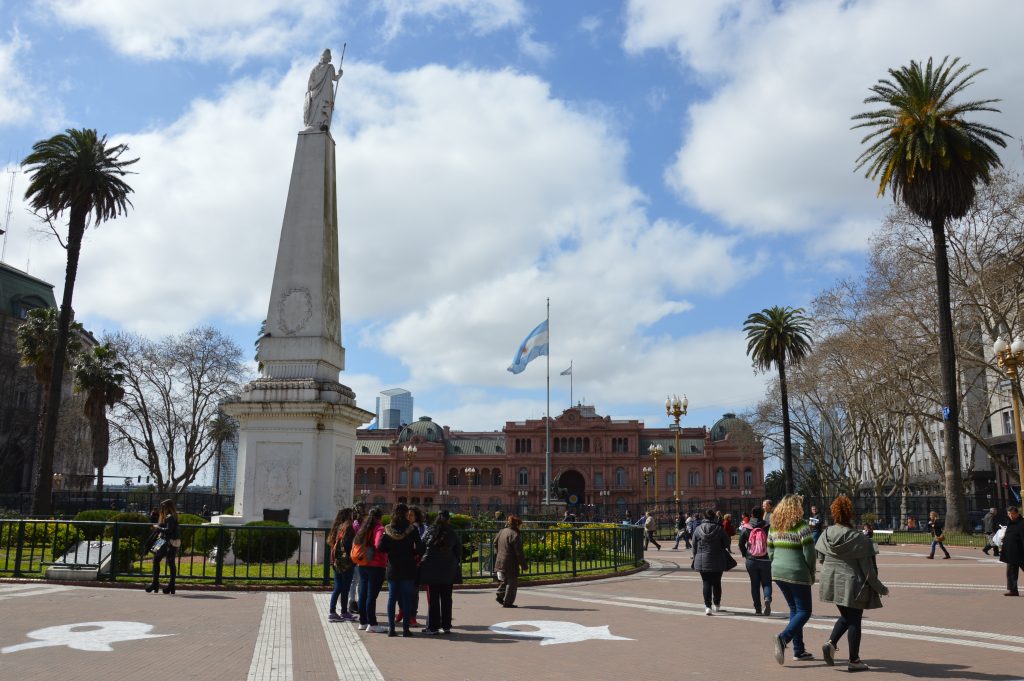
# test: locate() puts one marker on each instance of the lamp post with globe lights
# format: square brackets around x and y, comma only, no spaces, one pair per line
[656,452]
[470,472]
[676,407]
[410,455]
[1011,358]
[647,470]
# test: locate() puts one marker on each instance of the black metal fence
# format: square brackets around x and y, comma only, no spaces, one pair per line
[220,554]
[71,502]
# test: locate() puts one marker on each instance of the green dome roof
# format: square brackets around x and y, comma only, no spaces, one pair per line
[425,428]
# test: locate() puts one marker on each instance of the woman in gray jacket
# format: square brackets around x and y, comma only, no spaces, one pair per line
[849,578]
[711,558]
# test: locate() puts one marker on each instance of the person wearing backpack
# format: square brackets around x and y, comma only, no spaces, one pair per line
[371,563]
[339,538]
[754,548]
[402,544]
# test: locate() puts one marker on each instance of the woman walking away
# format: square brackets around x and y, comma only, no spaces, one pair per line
[440,568]
[1013,550]
[167,526]
[415,516]
[401,542]
[937,527]
[791,551]
[371,562]
[849,578]
[509,559]
[711,559]
[754,547]
[340,540]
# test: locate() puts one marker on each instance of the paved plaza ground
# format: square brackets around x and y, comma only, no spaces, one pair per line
[945,619]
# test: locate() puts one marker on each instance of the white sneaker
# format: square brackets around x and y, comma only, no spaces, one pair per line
[707,611]
[716,609]
[377,629]
[362,627]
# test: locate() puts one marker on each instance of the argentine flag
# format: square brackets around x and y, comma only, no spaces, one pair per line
[535,345]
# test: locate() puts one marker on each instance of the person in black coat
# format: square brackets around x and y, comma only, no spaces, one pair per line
[711,558]
[167,527]
[1013,550]
[440,568]
[402,544]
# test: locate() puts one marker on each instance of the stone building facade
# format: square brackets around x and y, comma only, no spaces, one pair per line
[597,463]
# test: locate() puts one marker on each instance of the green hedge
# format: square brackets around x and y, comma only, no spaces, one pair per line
[137,532]
[188,532]
[270,546]
[205,539]
[94,532]
[57,537]
[128,551]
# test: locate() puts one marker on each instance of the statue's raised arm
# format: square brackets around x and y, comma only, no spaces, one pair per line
[319,104]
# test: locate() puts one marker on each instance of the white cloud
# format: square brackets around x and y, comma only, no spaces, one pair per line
[199,29]
[485,16]
[21,102]
[770,149]
[534,49]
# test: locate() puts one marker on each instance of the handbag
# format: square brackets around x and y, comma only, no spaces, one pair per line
[340,559]
[941,538]
[157,546]
[730,562]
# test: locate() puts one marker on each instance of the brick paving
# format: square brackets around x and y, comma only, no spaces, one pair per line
[945,619]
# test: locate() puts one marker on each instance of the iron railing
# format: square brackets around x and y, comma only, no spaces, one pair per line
[222,554]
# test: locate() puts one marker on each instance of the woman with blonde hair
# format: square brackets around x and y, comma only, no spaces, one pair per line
[849,578]
[791,550]
[167,527]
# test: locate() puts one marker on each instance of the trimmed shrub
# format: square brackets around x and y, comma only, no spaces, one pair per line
[188,532]
[205,539]
[230,510]
[137,532]
[94,532]
[128,551]
[268,541]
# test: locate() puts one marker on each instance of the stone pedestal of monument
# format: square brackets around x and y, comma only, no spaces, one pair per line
[297,423]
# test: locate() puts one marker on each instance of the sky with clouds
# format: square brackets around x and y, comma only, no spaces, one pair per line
[658,168]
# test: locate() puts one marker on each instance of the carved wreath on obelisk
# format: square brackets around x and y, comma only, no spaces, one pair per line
[294,310]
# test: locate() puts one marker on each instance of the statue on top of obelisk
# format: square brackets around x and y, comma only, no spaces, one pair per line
[319,104]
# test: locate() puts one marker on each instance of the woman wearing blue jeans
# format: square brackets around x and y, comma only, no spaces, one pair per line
[791,550]
[937,528]
[371,573]
[402,544]
[340,540]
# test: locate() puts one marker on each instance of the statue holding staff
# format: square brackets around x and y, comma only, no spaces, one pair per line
[319,103]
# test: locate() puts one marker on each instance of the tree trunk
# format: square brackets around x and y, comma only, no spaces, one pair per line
[956,508]
[42,501]
[787,444]
[100,432]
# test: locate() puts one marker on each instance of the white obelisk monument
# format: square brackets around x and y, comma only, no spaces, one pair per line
[297,423]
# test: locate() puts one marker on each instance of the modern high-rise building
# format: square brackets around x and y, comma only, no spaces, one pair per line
[394,408]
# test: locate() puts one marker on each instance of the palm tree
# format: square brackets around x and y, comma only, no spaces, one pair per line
[220,428]
[74,172]
[775,336]
[932,159]
[99,374]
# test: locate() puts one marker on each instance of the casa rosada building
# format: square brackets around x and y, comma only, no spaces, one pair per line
[596,462]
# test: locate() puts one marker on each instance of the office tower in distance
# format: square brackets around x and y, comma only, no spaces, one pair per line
[394,408]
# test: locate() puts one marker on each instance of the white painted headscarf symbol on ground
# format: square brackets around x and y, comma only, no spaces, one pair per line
[553,632]
[90,636]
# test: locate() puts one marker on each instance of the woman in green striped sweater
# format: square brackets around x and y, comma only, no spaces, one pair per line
[791,550]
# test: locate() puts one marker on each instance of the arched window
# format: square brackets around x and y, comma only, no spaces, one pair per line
[485,476]
[579,444]
[598,479]
[670,481]
[748,478]
[734,478]
[403,476]
[417,477]
[453,476]
[496,477]
[620,477]
[694,478]
[720,478]
[382,476]
[586,445]
[524,477]
[428,477]
[556,443]
[360,476]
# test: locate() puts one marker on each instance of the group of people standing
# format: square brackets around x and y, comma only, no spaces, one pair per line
[779,545]
[408,554]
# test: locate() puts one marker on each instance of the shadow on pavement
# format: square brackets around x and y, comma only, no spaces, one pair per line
[210,597]
[932,670]
[555,608]
[478,634]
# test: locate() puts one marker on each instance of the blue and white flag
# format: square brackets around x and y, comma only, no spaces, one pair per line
[535,345]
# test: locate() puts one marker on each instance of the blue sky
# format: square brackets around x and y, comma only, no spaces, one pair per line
[659,169]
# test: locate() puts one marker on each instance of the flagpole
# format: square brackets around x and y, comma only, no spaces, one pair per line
[571,403]
[547,421]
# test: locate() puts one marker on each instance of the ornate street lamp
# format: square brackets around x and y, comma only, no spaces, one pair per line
[410,455]
[647,470]
[656,452]
[676,407]
[443,493]
[1011,357]
[365,493]
[470,472]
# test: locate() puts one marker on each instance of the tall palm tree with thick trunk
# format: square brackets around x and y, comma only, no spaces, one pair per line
[922,148]
[777,336]
[99,374]
[76,173]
